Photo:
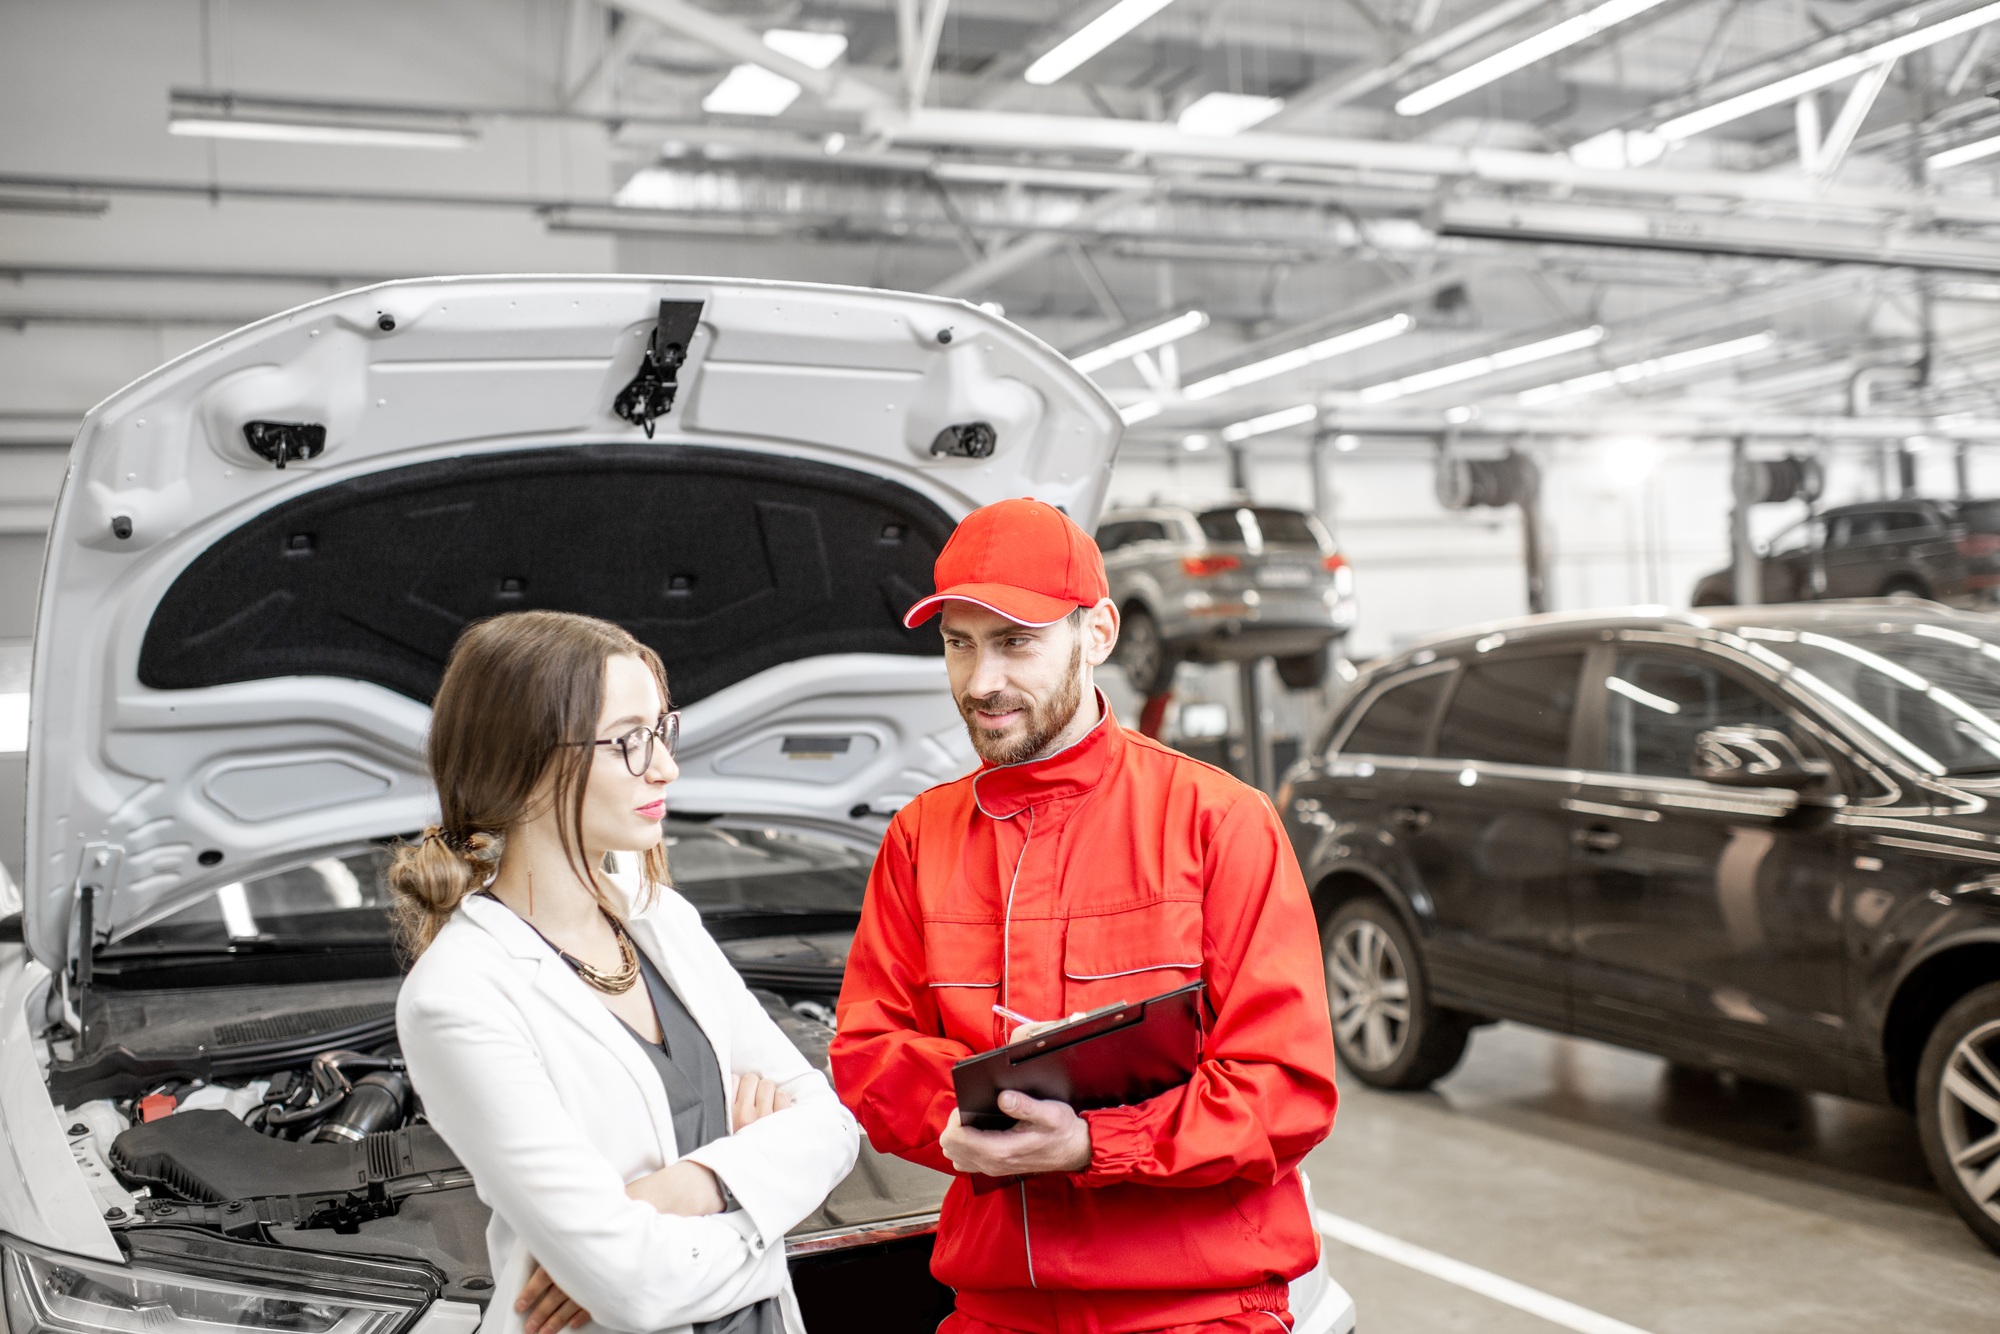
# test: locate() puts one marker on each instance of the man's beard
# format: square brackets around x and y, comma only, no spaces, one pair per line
[1039,725]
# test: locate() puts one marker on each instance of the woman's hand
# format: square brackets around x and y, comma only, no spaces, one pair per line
[756,1098]
[686,1188]
[548,1307]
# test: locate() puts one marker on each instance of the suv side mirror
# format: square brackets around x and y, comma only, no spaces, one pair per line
[1753,757]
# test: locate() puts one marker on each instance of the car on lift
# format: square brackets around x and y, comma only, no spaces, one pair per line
[1761,840]
[262,556]
[1943,550]
[1228,584]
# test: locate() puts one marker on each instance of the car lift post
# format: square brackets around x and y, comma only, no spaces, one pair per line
[1743,552]
[1256,739]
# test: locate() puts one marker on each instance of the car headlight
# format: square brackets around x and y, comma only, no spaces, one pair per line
[71,1295]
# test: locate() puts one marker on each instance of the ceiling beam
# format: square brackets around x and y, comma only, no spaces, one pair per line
[1343,86]
[1025,250]
[593,91]
[835,87]
[943,128]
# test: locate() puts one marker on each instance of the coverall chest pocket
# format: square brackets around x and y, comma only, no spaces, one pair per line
[964,965]
[1129,955]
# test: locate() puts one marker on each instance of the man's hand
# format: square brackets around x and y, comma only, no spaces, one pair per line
[685,1188]
[547,1306]
[1050,1137]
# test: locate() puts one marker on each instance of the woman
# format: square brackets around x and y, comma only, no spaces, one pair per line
[635,1120]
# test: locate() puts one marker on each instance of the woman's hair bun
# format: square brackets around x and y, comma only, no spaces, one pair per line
[431,877]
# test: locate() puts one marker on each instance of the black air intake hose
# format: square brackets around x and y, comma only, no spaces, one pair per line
[377,1102]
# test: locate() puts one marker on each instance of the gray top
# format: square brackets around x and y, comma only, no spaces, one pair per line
[700,1103]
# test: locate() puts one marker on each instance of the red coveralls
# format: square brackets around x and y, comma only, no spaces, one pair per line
[1115,870]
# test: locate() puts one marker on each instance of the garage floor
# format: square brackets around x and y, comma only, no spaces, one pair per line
[1616,1194]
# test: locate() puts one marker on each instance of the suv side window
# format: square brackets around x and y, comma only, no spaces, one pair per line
[1147,530]
[1398,719]
[1113,536]
[1660,702]
[1513,710]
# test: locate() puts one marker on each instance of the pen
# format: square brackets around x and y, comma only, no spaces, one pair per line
[1015,1015]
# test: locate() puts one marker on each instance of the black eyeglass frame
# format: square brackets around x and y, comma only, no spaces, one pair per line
[666,732]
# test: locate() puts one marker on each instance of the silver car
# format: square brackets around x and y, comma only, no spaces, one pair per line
[1224,585]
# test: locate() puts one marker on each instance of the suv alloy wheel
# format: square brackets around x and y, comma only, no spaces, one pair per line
[1385,1028]
[1958,1109]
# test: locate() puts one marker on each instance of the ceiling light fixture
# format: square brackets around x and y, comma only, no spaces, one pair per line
[203,115]
[1219,115]
[1145,340]
[1820,76]
[1647,369]
[1520,55]
[1486,365]
[752,90]
[1301,415]
[1351,341]
[1144,410]
[1964,153]
[1091,38]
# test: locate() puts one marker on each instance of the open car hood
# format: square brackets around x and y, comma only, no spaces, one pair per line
[265,550]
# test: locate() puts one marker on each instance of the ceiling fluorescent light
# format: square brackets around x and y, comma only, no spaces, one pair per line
[1351,341]
[1145,340]
[1812,80]
[1091,38]
[301,132]
[1647,369]
[750,90]
[1964,153]
[814,50]
[1477,366]
[1521,54]
[1219,115]
[1144,410]
[1301,415]
[74,205]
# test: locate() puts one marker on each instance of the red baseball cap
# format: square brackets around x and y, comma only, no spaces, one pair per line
[1021,558]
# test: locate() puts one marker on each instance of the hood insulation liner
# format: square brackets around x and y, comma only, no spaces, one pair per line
[726,563]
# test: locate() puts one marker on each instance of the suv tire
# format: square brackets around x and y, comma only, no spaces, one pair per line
[1307,671]
[1905,585]
[1144,654]
[1958,1107]
[1385,1027]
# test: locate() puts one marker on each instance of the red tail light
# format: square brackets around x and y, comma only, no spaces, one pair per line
[1335,562]
[1979,544]
[1201,566]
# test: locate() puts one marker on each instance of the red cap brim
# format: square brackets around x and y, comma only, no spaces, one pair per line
[1016,604]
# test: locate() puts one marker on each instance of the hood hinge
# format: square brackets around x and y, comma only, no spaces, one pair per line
[651,394]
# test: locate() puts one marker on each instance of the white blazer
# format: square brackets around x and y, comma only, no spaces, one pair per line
[543,1094]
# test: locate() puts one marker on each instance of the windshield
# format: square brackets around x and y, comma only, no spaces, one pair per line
[1930,692]
[344,900]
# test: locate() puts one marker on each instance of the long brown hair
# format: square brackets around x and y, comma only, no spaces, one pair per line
[519,695]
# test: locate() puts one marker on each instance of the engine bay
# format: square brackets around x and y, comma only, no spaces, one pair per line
[283,1117]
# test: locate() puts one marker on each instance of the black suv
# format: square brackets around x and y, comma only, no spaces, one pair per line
[1761,840]
[1942,549]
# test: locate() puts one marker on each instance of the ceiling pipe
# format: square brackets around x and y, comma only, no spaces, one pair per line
[949,128]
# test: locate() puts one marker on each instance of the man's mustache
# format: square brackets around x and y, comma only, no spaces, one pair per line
[1000,703]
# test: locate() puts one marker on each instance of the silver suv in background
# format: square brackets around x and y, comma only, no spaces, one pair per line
[1224,585]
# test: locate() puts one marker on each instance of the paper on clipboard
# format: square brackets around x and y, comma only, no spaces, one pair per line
[1110,1057]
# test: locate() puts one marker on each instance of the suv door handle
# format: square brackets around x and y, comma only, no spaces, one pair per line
[1597,840]
[1413,818]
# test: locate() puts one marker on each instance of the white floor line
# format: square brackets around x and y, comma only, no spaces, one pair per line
[1470,1277]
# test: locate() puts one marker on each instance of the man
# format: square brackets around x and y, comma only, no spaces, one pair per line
[1084,865]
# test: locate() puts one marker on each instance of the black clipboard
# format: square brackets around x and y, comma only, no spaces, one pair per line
[1110,1057]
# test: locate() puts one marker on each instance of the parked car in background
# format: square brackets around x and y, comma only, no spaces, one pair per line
[1224,585]
[1764,841]
[1945,550]
[263,554]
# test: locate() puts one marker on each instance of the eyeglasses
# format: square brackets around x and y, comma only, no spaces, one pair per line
[636,746]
